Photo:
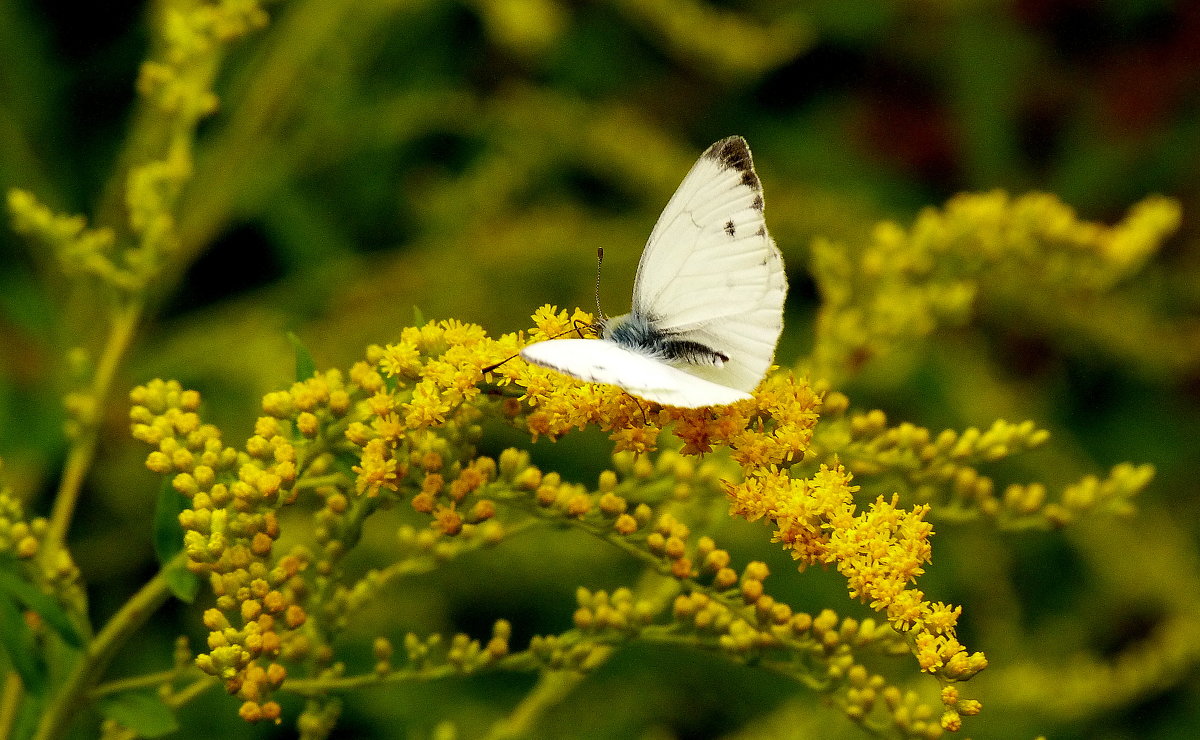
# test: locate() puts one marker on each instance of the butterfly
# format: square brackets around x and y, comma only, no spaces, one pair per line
[707,300]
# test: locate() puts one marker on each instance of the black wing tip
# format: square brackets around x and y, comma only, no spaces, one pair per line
[733,152]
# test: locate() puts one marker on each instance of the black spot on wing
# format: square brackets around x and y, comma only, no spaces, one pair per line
[729,228]
[758,203]
[732,152]
[762,231]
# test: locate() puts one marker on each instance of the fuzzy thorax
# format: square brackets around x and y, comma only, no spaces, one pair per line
[639,334]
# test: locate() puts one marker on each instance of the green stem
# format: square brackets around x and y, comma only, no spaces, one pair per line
[551,689]
[191,691]
[92,664]
[10,702]
[326,684]
[140,682]
[83,448]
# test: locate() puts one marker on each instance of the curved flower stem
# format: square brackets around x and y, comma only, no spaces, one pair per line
[550,691]
[517,662]
[10,702]
[92,664]
[148,680]
[83,448]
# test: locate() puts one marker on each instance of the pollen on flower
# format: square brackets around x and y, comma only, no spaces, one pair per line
[625,524]
[550,321]
[447,519]
[377,469]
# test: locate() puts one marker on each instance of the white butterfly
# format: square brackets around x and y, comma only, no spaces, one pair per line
[707,301]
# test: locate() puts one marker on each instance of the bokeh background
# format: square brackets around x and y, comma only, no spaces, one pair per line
[468,158]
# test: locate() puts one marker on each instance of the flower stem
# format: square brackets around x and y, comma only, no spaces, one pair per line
[92,664]
[10,702]
[148,680]
[83,448]
[551,689]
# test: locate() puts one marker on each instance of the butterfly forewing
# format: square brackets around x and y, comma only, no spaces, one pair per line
[711,273]
[709,255]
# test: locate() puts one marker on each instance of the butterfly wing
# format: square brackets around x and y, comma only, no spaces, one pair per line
[602,361]
[711,273]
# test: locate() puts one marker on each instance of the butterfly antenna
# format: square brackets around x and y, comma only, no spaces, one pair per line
[492,367]
[599,261]
[645,419]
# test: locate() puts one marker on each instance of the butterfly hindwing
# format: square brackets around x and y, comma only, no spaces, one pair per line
[601,361]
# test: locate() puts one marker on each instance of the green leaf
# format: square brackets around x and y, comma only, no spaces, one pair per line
[23,592]
[418,317]
[183,583]
[168,541]
[140,711]
[16,639]
[305,367]
[344,461]
[168,532]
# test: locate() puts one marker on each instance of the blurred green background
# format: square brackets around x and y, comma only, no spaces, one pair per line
[469,157]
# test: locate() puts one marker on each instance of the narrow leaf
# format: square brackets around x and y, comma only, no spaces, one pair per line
[25,593]
[183,583]
[168,533]
[16,640]
[140,711]
[418,317]
[305,367]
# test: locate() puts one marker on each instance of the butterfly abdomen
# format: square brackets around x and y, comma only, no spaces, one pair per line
[639,334]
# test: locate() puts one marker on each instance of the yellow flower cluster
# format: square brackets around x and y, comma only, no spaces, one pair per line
[905,282]
[18,537]
[880,551]
[230,524]
[178,87]
[410,414]
[943,469]
[696,34]
[420,422]
[430,378]
[772,428]
[80,250]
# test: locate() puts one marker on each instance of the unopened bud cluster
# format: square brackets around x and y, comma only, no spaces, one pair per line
[230,523]
[18,537]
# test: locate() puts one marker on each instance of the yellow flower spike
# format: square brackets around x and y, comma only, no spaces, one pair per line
[969,707]
[612,505]
[425,419]
[625,524]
